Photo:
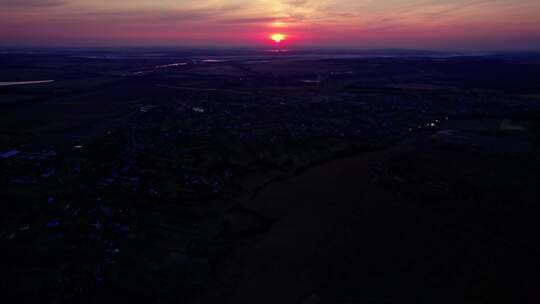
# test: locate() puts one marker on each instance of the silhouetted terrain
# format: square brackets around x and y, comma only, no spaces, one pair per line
[235,176]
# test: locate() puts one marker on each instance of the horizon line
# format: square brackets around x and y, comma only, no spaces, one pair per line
[262,48]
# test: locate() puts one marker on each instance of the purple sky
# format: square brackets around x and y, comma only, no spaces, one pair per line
[420,24]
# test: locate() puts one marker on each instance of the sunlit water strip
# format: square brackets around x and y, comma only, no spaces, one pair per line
[16,83]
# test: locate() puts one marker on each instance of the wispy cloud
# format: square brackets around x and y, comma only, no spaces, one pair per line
[30,3]
[350,21]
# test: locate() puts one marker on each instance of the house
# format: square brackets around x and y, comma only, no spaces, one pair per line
[9,153]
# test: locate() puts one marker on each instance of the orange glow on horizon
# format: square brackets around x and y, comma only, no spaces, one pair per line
[277,37]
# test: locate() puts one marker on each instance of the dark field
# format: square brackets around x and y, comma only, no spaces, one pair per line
[168,176]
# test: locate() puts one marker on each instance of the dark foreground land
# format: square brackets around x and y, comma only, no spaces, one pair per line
[167,176]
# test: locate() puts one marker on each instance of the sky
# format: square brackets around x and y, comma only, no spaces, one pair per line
[365,24]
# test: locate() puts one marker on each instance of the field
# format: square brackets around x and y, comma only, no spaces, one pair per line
[223,176]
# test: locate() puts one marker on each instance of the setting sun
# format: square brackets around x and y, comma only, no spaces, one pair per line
[278,37]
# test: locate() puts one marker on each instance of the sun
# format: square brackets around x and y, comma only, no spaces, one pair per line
[277,37]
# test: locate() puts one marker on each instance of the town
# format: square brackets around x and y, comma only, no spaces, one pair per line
[129,170]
